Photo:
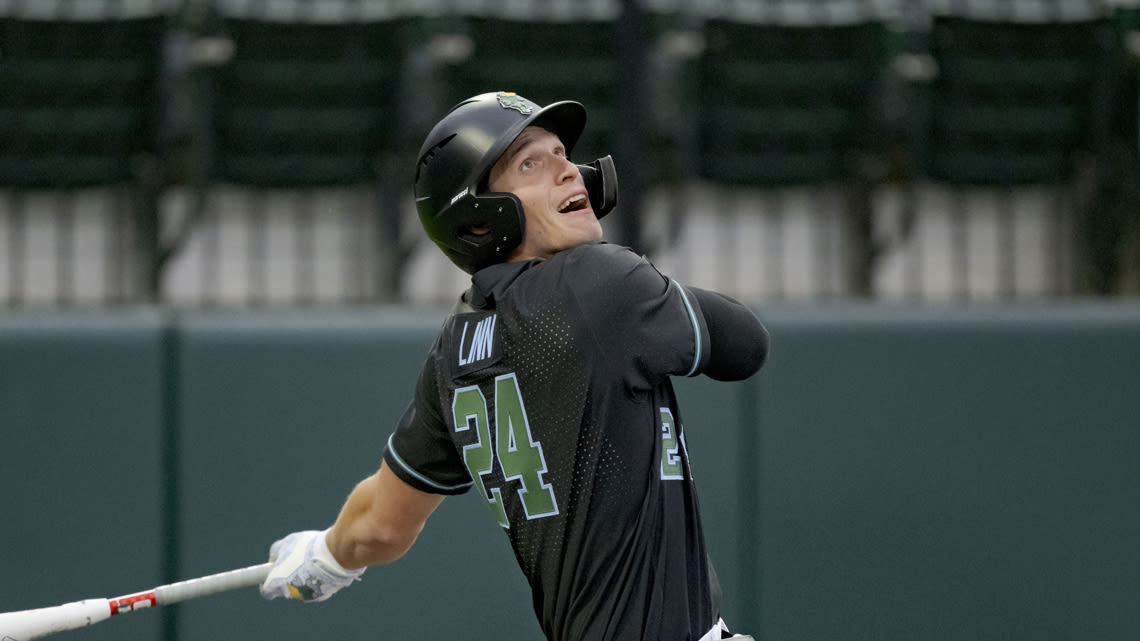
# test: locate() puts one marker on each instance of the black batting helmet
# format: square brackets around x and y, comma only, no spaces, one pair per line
[456,159]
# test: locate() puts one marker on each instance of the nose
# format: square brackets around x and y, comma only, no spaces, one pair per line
[567,171]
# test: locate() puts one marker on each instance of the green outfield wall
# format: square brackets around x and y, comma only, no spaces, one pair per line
[81,462]
[894,473]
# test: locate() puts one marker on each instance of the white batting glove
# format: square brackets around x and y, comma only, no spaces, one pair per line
[305,569]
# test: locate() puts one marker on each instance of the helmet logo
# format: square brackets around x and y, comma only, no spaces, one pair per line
[511,100]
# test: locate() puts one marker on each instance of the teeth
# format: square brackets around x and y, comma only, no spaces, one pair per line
[571,201]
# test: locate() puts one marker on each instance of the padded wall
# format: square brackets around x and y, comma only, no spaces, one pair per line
[940,473]
[80,462]
[893,472]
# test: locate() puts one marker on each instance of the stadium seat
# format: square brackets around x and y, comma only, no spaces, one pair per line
[80,100]
[675,42]
[306,104]
[1013,102]
[787,104]
[545,61]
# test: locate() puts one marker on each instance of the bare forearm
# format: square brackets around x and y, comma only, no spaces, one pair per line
[353,540]
[379,521]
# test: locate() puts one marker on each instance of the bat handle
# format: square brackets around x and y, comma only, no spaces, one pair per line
[221,582]
[190,589]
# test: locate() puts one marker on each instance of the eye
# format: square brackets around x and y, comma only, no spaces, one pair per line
[527,164]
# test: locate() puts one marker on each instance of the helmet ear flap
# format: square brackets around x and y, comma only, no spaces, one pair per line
[485,229]
[600,177]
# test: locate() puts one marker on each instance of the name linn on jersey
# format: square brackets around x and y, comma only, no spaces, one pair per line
[477,343]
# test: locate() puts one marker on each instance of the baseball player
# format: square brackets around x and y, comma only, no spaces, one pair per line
[547,392]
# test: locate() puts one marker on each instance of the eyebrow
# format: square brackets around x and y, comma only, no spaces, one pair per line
[524,140]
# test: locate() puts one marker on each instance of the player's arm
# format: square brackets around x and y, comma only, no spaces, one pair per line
[380,520]
[382,516]
[378,523]
[661,328]
[738,340]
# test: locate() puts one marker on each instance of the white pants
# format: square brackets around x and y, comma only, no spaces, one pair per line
[715,634]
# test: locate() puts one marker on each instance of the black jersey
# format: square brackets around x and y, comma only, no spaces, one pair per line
[550,395]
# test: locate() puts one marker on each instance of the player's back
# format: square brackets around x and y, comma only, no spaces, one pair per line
[557,383]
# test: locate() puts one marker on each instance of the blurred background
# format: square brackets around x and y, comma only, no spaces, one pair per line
[245,152]
[215,298]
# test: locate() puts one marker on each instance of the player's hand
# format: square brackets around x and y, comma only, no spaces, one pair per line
[304,569]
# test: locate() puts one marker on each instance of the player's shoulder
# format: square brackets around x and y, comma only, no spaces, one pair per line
[607,270]
[601,259]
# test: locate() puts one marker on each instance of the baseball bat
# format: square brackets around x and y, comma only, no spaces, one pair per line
[33,624]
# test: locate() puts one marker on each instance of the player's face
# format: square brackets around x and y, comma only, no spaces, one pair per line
[558,213]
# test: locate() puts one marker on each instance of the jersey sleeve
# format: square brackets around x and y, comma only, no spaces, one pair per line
[420,451]
[641,319]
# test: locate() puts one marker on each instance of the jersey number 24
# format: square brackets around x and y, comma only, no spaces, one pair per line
[519,456]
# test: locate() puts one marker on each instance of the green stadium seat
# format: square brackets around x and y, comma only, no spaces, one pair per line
[545,61]
[674,43]
[786,104]
[306,104]
[1014,102]
[80,100]
[1126,117]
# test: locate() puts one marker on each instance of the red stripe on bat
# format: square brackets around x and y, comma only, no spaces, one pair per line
[133,602]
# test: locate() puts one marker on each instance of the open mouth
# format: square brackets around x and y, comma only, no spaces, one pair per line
[574,203]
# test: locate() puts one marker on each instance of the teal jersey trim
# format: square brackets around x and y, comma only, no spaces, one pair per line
[407,468]
[696,330]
